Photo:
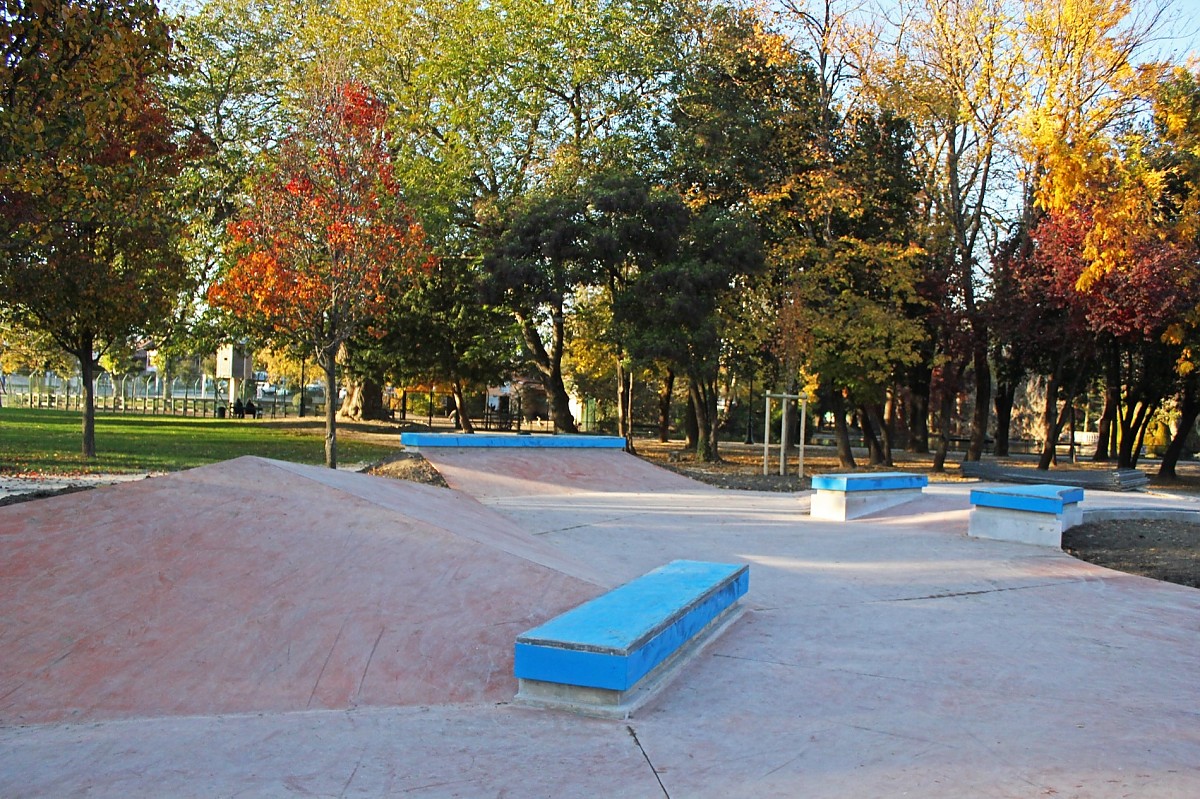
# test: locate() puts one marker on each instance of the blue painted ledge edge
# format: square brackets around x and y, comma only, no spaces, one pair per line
[1043,498]
[573,661]
[499,441]
[881,481]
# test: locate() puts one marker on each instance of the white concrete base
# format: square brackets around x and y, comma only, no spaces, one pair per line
[840,506]
[1022,526]
[608,704]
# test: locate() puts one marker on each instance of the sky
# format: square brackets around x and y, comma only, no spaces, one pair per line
[1186,29]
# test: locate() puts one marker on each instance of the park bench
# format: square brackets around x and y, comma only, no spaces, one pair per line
[610,655]
[841,497]
[1028,514]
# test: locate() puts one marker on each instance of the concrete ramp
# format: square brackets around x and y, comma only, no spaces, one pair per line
[489,473]
[254,586]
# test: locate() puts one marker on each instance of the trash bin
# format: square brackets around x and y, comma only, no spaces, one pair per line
[220,411]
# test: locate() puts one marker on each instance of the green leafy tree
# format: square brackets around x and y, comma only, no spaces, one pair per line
[674,314]
[632,228]
[441,330]
[535,270]
[739,124]
[90,225]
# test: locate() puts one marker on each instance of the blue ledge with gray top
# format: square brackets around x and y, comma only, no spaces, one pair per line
[610,655]
[418,441]
[1026,514]
[840,497]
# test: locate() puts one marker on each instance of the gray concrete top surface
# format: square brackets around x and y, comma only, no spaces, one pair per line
[883,657]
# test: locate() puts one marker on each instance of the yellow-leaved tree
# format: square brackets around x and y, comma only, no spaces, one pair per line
[1084,84]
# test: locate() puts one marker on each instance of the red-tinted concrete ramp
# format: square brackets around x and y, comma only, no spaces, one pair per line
[255,585]
[488,473]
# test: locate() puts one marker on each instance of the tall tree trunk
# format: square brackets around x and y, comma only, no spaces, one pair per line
[702,391]
[1105,443]
[87,371]
[1006,393]
[625,405]
[328,362]
[983,396]
[874,412]
[918,410]
[1052,422]
[945,414]
[1189,410]
[841,431]
[549,366]
[874,450]
[364,401]
[893,409]
[665,390]
[1133,432]
[460,406]
[691,425]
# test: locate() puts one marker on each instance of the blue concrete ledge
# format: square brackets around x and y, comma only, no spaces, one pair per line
[881,481]
[1043,498]
[615,640]
[420,440]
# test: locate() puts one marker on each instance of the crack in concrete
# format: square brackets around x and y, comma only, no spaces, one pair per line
[325,665]
[370,657]
[952,594]
[587,524]
[642,749]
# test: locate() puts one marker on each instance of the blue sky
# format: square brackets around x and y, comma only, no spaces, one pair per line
[1187,26]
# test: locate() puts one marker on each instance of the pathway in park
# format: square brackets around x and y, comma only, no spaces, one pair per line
[262,629]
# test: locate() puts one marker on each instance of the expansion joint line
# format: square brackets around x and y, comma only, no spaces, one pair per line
[953,594]
[642,749]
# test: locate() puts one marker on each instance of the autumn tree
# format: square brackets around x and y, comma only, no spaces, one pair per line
[1172,151]
[88,216]
[1119,322]
[954,70]
[323,237]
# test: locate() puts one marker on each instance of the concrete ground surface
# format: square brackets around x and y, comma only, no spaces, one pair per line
[265,629]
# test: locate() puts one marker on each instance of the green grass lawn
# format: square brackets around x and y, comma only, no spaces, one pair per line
[49,442]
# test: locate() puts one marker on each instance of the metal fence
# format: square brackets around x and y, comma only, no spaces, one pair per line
[268,407]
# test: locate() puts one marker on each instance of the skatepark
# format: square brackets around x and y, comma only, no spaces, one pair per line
[259,628]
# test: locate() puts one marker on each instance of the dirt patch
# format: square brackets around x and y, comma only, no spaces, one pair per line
[1162,550]
[409,466]
[14,499]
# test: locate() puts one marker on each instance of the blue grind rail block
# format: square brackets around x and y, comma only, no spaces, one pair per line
[882,481]
[1042,498]
[515,440]
[615,640]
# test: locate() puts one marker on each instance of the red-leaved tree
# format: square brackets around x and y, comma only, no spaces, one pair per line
[1119,322]
[325,236]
